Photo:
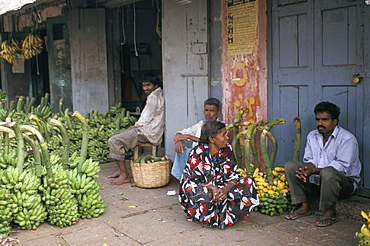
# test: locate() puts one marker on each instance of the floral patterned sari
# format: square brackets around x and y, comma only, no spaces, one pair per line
[219,169]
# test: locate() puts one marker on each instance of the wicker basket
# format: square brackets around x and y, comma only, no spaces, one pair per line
[151,175]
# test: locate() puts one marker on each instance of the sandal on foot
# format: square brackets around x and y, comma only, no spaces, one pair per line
[300,214]
[331,220]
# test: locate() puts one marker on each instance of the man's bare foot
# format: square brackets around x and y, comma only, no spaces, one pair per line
[328,218]
[120,180]
[114,175]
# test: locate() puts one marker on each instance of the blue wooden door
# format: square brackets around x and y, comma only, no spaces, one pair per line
[317,47]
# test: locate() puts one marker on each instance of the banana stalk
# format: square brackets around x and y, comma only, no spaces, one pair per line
[237,148]
[254,144]
[85,138]
[68,119]
[20,104]
[65,139]
[269,161]
[11,106]
[298,136]
[36,154]
[30,104]
[248,148]
[45,155]
[42,127]
[20,145]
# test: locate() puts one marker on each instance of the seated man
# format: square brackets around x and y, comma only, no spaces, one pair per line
[148,129]
[331,168]
[212,108]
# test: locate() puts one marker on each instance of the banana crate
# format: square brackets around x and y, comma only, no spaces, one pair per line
[151,171]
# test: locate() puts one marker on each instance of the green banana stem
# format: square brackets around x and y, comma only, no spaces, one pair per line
[36,154]
[256,159]
[20,104]
[68,119]
[238,124]
[47,97]
[30,104]
[118,123]
[269,161]
[7,132]
[42,101]
[240,114]
[298,136]
[20,145]
[6,142]
[274,123]
[11,106]
[85,138]
[264,152]
[237,148]
[41,125]
[45,156]
[248,147]
[65,139]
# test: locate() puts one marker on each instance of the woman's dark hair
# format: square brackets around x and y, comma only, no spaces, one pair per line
[329,108]
[210,128]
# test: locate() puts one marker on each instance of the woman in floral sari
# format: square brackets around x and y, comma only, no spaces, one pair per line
[211,190]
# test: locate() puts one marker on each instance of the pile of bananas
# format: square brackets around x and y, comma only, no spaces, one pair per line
[274,198]
[7,208]
[30,212]
[10,50]
[87,189]
[61,205]
[31,46]
[364,235]
[150,158]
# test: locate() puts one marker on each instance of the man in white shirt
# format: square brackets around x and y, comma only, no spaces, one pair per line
[212,109]
[331,167]
[148,129]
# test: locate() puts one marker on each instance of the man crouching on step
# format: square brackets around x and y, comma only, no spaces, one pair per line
[331,167]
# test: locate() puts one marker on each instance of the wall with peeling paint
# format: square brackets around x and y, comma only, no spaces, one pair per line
[245,74]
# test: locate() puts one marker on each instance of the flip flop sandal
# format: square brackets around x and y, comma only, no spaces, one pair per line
[333,220]
[299,216]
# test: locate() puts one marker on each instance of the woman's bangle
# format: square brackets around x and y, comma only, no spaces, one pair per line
[207,184]
[232,182]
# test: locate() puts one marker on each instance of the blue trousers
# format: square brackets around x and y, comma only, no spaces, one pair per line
[179,163]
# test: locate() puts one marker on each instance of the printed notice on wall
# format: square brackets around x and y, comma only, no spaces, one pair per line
[242,24]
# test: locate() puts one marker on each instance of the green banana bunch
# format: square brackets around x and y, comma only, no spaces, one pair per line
[30,212]
[9,159]
[150,158]
[61,205]
[7,208]
[91,203]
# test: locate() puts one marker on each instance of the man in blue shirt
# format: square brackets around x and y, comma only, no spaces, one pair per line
[331,167]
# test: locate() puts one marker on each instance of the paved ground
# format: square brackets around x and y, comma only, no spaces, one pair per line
[136,216]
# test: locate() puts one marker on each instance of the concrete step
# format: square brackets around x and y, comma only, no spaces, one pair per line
[351,207]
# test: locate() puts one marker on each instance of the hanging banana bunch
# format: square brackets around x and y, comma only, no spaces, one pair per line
[10,50]
[32,45]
